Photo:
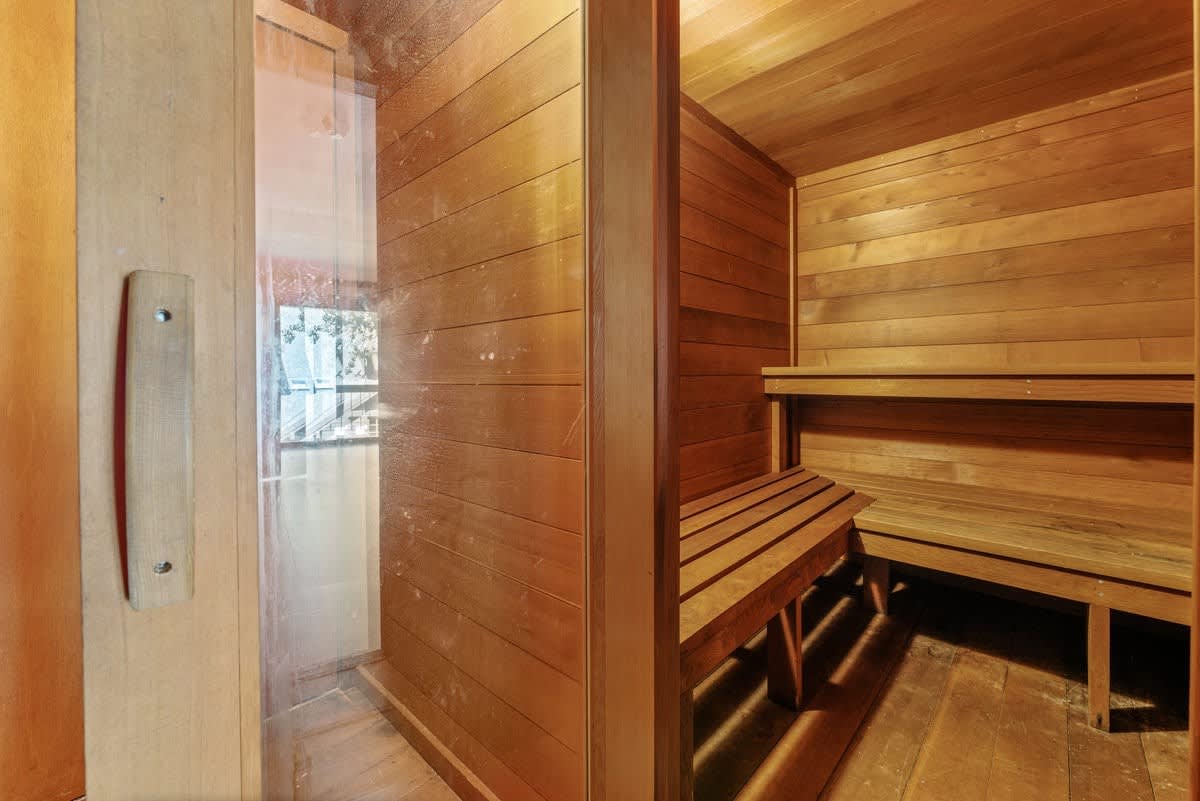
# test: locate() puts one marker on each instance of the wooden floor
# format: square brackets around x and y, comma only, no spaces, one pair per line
[338,747]
[961,695]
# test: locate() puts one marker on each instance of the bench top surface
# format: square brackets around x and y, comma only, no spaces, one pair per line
[1149,383]
[1147,546]
[1173,369]
[744,548]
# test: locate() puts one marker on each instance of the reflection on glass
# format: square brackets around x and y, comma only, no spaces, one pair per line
[330,388]
[420,294]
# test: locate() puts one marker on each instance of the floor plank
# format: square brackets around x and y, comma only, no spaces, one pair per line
[880,760]
[1030,757]
[986,700]
[736,724]
[1104,766]
[339,747]
[1167,762]
[810,750]
[955,760]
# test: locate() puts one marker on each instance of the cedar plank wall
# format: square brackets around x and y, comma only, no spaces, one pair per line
[481,296]
[733,293]
[1061,237]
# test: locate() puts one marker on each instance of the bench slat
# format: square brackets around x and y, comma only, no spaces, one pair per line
[729,493]
[1120,536]
[1139,599]
[714,536]
[709,567]
[1175,524]
[1138,545]
[716,620]
[741,504]
[1099,553]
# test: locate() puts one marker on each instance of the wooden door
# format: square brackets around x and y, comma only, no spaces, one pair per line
[164,170]
[41,669]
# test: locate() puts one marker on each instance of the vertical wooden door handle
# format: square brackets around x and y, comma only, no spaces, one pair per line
[159,484]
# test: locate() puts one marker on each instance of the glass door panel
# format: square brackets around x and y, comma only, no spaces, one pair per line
[420,385]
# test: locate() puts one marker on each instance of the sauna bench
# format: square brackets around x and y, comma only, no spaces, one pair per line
[1105,555]
[746,554]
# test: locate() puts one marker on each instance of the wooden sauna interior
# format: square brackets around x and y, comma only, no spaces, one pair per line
[896,188]
[909,204]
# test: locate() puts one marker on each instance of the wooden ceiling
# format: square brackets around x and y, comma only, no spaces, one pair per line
[817,83]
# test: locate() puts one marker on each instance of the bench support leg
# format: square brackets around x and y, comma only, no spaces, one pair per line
[1099,622]
[781,451]
[877,583]
[687,747]
[784,670]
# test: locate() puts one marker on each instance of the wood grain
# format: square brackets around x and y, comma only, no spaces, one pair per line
[816,87]
[1099,648]
[1103,766]
[785,670]
[733,299]
[978,385]
[246,464]
[1193,773]
[1042,746]
[633,163]
[737,595]
[41,686]
[159,467]
[877,585]
[1136,598]
[479,135]
[811,746]
[161,182]
[1070,225]
[962,736]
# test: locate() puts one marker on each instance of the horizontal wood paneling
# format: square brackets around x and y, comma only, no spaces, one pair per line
[538,555]
[479,186]
[506,606]
[507,29]
[492,661]
[513,220]
[527,350]
[1059,238]
[733,292]
[530,485]
[519,742]
[542,280]
[477,415]
[1062,238]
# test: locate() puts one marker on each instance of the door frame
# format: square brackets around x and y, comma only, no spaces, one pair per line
[631,95]
[41,681]
[1194,672]
[164,175]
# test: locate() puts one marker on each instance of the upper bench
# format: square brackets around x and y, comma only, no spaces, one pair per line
[1167,383]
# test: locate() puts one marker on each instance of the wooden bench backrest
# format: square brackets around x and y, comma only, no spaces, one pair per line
[1133,456]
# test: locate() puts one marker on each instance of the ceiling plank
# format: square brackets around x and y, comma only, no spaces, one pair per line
[818,83]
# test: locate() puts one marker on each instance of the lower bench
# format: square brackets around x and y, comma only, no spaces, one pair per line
[747,553]
[1107,556]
